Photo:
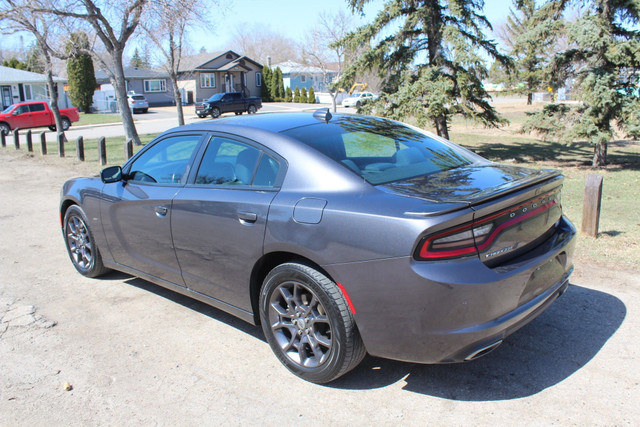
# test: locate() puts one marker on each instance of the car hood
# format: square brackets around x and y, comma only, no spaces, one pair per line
[469,184]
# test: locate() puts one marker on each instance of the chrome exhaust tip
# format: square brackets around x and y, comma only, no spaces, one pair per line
[482,351]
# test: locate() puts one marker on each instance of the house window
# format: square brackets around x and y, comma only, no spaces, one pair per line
[303,79]
[258,79]
[208,80]
[155,85]
[27,92]
[244,79]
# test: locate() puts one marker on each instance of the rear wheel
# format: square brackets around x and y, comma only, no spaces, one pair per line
[252,109]
[215,112]
[66,123]
[308,324]
[81,245]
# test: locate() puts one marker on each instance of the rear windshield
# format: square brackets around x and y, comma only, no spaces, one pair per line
[138,97]
[379,150]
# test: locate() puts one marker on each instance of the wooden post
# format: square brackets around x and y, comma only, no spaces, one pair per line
[80,148]
[43,143]
[128,149]
[592,203]
[102,150]
[16,138]
[61,144]
[3,138]
[29,142]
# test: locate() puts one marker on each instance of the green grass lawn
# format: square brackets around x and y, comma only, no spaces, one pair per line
[96,119]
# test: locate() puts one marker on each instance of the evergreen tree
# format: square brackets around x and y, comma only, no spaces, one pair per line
[137,60]
[288,96]
[428,53]
[81,75]
[279,84]
[296,95]
[15,63]
[312,96]
[604,58]
[273,85]
[530,32]
[303,95]
[265,89]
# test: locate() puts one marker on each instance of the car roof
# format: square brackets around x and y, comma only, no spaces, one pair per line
[270,122]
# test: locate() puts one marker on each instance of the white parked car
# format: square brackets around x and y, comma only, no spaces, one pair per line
[357,99]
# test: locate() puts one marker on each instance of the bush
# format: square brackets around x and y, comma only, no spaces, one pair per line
[303,95]
[312,96]
[288,96]
[296,95]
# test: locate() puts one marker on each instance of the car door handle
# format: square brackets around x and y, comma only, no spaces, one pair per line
[247,217]
[161,210]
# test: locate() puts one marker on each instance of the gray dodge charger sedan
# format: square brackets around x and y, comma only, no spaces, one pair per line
[341,235]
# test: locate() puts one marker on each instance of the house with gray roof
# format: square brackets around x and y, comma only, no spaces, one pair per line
[154,85]
[19,85]
[201,76]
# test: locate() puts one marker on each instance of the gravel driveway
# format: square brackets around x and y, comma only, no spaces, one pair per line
[132,353]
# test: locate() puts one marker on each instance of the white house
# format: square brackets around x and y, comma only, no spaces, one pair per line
[19,85]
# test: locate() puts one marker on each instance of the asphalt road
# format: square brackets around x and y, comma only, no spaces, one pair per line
[133,353]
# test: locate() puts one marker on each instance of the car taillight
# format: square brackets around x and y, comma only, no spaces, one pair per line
[454,243]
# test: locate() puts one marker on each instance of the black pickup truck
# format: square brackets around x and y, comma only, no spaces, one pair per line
[230,102]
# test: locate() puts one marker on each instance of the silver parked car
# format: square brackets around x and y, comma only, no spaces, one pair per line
[339,235]
[137,103]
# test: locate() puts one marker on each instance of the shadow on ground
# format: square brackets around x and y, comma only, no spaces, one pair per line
[550,349]
[554,346]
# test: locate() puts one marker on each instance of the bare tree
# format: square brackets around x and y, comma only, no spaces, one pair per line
[165,24]
[258,43]
[321,49]
[113,22]
[20,17]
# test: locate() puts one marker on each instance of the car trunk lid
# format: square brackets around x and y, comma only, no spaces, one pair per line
[515,209]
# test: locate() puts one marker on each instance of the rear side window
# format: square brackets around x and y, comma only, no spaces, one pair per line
[379,150]
[36,107]
[230,162]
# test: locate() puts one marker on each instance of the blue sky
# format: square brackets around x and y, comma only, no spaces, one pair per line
[293,18]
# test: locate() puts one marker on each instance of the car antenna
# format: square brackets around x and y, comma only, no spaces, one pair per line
[322,114]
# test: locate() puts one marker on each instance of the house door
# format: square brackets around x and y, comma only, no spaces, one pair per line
[228,82]
[6,97]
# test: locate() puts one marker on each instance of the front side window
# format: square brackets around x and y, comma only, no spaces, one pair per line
[155,85]
[229,162]
[166,162]
[207,80]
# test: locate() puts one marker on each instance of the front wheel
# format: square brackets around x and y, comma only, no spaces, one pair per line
[4,128]
[252,109]
[308,324]
[52,128]
[81,245]
[215,112]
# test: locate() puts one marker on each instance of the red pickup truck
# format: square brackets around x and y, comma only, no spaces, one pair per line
[34,114]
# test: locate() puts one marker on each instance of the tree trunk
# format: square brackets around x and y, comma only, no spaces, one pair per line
[599,154]
[118,82]
[529,98]
[441,126]
[177,98]
[53,94]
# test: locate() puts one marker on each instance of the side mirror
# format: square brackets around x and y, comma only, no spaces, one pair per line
[111,174]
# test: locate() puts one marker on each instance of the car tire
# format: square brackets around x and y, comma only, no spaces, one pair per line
[52,128]
[252,109]
[308,324]
[238,113]
[81,246]
[66,123]
[202,116]
[215,112]
[4,128]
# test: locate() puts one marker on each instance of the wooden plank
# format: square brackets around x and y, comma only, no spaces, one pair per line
[592,204]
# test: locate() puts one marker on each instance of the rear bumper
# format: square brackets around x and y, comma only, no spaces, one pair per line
[456,310]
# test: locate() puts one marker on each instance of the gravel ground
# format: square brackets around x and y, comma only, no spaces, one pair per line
[122,351]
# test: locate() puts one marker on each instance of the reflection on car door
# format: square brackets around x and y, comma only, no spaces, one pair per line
[136,213]
[218,222]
